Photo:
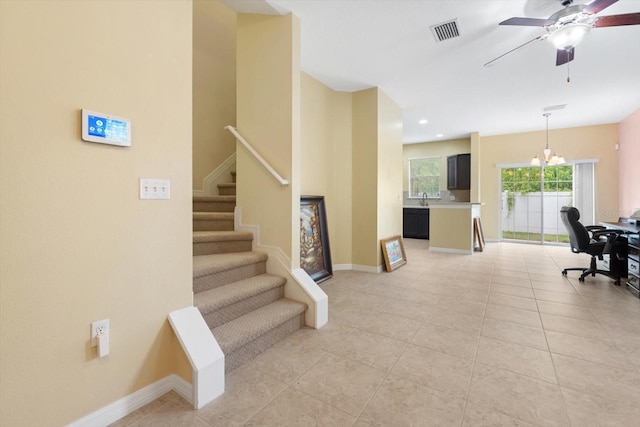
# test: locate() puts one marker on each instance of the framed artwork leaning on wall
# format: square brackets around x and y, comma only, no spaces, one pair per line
[393,252]
[315,254]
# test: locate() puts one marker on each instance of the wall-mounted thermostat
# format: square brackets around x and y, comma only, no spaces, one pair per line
[106,129]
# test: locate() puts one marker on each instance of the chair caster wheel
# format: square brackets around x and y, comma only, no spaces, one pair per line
[581,279]
[564,273]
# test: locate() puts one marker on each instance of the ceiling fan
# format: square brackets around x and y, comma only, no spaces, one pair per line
[567,27]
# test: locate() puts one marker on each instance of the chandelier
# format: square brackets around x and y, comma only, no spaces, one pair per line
[547,157]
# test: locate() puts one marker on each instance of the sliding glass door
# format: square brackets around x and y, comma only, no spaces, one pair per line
[532,198]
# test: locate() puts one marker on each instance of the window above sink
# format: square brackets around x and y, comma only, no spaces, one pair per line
[424,177]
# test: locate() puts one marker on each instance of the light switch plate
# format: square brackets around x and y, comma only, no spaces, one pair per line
[155,189]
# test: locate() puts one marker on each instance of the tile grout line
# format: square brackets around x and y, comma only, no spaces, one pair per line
[406,345]
[555,370]
[475,357]
[288,386]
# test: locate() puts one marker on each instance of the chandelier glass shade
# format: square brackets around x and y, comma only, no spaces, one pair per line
[547,157]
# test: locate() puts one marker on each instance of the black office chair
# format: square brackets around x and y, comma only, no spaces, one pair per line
[594,240]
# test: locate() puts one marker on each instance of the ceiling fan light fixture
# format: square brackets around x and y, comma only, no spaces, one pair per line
[568,36]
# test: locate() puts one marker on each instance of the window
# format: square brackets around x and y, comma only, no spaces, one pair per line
[424,176]
[532,198]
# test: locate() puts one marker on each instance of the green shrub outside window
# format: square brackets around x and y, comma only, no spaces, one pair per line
[424,177]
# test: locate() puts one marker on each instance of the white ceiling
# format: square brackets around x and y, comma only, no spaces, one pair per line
[351,45]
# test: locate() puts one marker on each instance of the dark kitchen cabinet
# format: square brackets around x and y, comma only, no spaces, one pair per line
[459,172]
[415,223]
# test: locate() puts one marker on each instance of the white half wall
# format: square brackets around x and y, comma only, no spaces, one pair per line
[204,354]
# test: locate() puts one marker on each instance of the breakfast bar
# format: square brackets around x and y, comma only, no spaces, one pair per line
[451,227]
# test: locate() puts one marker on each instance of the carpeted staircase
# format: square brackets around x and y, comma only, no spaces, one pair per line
[242,304]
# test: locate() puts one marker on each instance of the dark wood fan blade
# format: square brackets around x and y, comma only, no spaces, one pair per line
[563,56]
[527,22]
[598,5]
[617,20]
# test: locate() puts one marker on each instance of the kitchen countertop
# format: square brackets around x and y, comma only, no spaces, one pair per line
[441,205]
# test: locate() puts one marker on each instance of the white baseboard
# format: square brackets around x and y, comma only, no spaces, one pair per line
[451,251]
[183,388]
[366,268]
[220,175]
[123,407]
[342,267]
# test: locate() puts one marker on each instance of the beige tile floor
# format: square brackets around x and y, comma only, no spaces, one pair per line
[495,338]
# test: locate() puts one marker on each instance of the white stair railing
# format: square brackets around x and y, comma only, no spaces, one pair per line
[262,161]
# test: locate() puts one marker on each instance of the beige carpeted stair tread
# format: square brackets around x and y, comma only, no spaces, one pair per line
[244,329]
[227,185]
[212,215]
[211,264]
[214,198]
[221,236]
[226,203]
[223,296]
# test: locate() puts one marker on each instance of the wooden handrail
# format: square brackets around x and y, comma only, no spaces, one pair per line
[262,161]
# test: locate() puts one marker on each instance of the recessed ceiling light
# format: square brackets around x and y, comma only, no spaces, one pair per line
[423,121]
[439,135]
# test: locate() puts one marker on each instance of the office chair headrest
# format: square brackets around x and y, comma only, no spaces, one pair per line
[573,214]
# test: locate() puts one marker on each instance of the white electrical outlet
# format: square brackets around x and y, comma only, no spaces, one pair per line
[101,326]
[155,189]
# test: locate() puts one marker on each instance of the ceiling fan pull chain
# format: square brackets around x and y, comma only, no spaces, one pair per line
[568,73]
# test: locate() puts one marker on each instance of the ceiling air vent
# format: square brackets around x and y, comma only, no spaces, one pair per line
[446,30]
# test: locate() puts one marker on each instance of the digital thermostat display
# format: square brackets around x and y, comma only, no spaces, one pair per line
[106,129]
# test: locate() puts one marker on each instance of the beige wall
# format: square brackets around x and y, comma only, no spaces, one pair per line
[589,142]
[377,179]
[453,230]
[77,244]
[268,115]
[325,161]
[432,149]
[629,157]
[365,178]
[214,86]
[389,170]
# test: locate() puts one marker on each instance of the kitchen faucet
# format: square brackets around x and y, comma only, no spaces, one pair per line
[423,202]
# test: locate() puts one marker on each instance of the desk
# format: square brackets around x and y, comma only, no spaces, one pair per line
[625,226]
[633,253]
